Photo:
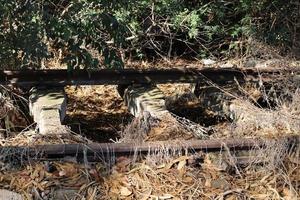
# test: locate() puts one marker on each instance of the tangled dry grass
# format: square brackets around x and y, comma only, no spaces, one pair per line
[249,120]
[12,119]
[168,127]
[31,138]
[274,173]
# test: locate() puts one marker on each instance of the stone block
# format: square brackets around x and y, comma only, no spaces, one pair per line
[140,98]
[48,108]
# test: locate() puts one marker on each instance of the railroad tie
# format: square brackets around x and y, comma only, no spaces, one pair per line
[48,108]
[141,98]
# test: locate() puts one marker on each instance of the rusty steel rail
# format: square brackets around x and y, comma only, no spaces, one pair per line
[126,76]
[98,151]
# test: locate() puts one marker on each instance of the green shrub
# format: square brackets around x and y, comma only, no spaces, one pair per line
[28,27]
[140,28]
[207,28]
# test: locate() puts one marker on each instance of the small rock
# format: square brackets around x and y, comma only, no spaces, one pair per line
[208,61]
[289,194]
[9,195]
[62,194]
[124,191]
[166,196]
[250,63]
[227,65]
[220,183]
[217,162]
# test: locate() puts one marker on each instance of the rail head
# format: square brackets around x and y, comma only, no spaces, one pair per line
[114,77]
[100,150]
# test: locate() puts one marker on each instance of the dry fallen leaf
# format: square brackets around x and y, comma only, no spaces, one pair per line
[62,173]
[187,179]
[146,195]
[182,159]
[166,196]
[289,194]
[124,191]
[163,197]
[181,164]
[208,182]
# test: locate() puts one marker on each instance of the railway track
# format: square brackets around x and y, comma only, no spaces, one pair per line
[54,78]
[102,151]
[96,151]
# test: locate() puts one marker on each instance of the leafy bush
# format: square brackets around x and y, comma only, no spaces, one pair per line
[28,28]
[207,28]
[138,28]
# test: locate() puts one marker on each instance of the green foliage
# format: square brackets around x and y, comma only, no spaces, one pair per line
[28,28]
[21,33]
[208,28]
[141,28]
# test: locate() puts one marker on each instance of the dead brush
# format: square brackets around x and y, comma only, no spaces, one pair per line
[158,181]
[249,119]
[138,129]
[191,127]
[174,127]
[166,174]
[164,155]
[12,117]
[276,161]
[271,171]
[7,107]
[168,126]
